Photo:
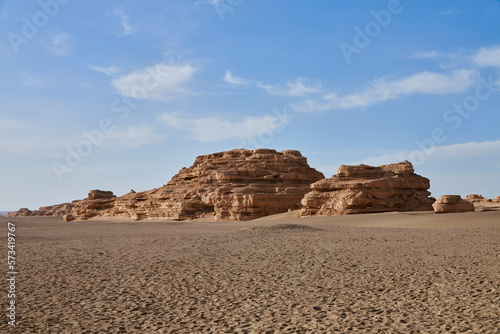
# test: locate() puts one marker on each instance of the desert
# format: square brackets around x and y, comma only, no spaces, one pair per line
[414,272]
[231,166]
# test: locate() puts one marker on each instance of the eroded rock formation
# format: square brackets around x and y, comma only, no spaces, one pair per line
[233,185]
[451,204]
[477,199]
[52,210]
[97,203]
[367,189]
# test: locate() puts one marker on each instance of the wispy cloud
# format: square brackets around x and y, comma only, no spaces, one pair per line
[124,21]
[229,78]
[61,44]
[298,87]
[110,70]
[32,81]
[382,90]
[159,82]
[464,151]
[451,11]
[132,137]
[213,129]
[489,56]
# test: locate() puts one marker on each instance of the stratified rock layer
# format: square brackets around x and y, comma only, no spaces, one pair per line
[367,189]
[97,203]
[52,210]
[452,204]
[477,199]
[233,185]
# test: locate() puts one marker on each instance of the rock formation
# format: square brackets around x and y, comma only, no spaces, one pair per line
[52,210]
[367,189]
[497,200]
[95,204]
[452,203]
[477,199]
[233,185]
[23,212]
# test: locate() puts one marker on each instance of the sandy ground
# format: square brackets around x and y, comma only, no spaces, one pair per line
[377,273]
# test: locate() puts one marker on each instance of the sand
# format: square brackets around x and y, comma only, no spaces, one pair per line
[387,273]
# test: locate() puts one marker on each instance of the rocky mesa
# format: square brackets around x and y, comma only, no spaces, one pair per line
[368,189]
[232,185]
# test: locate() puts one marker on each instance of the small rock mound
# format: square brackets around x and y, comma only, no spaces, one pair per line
[452,204]
[477,199]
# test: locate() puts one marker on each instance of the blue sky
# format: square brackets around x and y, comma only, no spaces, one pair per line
[116,95]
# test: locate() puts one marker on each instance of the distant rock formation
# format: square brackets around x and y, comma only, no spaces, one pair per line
[233,185]
[23,212]
[497,200]
[96,203]
[477,199]
[52,210]
[451,204]
[367,189]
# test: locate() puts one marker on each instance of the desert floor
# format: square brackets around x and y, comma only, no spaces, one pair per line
[386,273]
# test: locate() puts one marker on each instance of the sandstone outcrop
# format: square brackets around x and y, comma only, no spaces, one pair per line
[95,204]
[233,185]
[52,210]
[452,204]
[368,189]
[497,200]
[23,212]
[477,199]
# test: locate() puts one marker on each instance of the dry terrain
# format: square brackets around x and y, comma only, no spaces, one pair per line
[389,273]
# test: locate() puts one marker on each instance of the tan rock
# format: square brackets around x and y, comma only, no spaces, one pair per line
[451,204]
[97,203]
[23,212]
[477,199]
[233,185]
[368,189]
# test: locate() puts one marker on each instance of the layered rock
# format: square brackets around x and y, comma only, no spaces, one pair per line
[452,204]
[23,212]
[233,185]
[52,210]
[497,200]
[368,189]
[477,199]
[97,203]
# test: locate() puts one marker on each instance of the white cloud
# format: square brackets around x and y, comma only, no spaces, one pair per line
[293,88]
[488,56]
[381,90]
[32,81]
[212,129]
[110,70]
[132,137]
[85,85]
[427,55]
[235,80]
[159,82]
[451,12]
[464,151]
[124,21]
[61,44]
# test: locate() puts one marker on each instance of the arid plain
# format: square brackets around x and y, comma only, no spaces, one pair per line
[417,272]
